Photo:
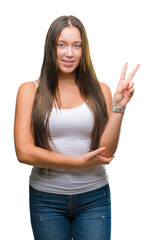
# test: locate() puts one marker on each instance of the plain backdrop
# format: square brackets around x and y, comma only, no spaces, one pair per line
[118,31]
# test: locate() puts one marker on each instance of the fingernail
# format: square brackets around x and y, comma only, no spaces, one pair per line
[125,92]
[138,65]
[126,62]
[103,148]
[127,84]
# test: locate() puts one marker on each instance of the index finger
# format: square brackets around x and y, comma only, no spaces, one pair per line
[123,73]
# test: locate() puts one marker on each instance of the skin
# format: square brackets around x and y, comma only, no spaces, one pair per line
[69,53]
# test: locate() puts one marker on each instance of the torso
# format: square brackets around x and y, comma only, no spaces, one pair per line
[78,121]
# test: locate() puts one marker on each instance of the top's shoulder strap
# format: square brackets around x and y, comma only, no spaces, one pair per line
[35,83]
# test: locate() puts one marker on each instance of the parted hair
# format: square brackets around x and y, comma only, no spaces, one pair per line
[48,91]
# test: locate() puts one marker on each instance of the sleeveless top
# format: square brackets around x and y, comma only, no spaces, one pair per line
[70,130]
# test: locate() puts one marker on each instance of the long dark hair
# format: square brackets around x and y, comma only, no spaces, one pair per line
[48,90]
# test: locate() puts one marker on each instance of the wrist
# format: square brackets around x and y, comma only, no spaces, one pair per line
[118,109]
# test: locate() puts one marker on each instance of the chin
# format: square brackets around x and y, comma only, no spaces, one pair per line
[67,71]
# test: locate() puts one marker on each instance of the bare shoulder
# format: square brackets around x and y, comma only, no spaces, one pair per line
[107,94]
[27,87]
[25,97]
[105,88]
[26,91]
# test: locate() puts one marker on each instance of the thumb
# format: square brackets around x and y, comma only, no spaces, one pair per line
[94,153]
[99,150]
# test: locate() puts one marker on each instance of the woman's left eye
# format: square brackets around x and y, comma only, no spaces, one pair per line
[77,46]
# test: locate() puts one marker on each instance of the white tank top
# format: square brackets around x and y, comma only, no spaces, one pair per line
[71,135]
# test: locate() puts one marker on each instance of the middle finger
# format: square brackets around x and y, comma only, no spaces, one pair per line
[131,75]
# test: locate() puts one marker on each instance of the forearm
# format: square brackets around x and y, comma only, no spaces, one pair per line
[110,136]
[43,158]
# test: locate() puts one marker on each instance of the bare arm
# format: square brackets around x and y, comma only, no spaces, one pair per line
[110,136]
[26,150]
[124,92]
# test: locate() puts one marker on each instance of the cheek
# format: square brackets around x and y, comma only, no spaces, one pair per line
[58,54]
[79,55]
[58,60]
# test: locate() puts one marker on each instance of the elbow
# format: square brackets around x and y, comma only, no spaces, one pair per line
[23,155]
[108,153]
[20,155]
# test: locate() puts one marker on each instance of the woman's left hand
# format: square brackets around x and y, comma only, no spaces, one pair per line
[125,88]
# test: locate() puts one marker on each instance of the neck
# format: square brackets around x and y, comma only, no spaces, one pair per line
[66,78]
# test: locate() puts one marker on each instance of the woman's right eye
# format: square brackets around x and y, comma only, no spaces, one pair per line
[60,45]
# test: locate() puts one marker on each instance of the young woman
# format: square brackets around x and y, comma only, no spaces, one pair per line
[67,126]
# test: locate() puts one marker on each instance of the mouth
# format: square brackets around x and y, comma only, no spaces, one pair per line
[68,62]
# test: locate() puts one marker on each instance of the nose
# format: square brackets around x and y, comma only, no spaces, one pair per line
[69,52]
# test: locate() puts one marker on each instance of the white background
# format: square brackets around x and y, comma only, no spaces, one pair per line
[119,31]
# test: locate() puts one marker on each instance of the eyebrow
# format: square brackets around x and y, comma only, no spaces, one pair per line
[65,41]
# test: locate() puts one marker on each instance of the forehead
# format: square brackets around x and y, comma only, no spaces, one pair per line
[70,33]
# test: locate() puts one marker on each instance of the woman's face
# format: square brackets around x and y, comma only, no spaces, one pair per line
[69,50]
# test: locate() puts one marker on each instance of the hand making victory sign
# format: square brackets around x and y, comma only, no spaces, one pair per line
[125,89]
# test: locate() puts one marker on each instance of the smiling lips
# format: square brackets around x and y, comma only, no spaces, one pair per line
[68,62]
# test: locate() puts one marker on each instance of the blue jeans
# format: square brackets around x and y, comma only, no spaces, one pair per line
[84,216]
